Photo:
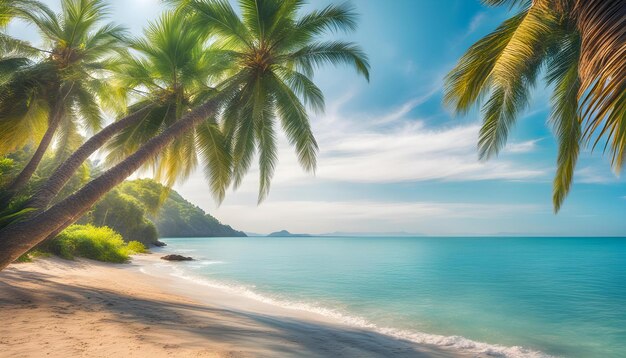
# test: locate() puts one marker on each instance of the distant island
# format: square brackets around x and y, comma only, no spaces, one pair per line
[285,233]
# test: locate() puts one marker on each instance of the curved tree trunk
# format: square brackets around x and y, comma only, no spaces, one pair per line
[24,176]
[18,238]
[44,195]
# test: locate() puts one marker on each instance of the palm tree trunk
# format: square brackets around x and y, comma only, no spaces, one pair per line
[57,180]
[18,238]
[24,176]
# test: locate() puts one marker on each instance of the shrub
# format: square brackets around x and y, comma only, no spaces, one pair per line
[136,247]
[97,243]
[32,254]
[23,258]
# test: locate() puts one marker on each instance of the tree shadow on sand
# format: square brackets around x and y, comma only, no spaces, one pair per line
[285,336]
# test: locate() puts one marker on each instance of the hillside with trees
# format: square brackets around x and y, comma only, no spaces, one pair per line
[172,214]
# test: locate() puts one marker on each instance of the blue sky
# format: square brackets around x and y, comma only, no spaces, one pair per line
[392,158]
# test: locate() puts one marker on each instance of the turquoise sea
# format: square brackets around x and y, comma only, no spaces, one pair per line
[514,297]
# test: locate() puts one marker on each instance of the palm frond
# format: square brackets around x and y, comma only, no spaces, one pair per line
[218,16]
[602,94]
[563,73]
[87,106]
[332,18]
[470,78]
[216,158]
[304,87]
[295,123]
[330,53]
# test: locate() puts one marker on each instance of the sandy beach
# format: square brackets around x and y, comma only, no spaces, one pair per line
[58,308]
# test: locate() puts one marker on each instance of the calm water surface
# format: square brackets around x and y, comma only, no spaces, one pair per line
[559,296]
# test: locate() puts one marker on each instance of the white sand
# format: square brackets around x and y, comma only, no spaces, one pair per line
[59,308]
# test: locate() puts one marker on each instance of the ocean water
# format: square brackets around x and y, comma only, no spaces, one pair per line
[509,297]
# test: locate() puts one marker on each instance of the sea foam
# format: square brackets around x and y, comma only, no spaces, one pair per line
[455,343]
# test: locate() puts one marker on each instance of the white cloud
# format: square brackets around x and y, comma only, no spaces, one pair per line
[522,147]
[476,21]
[404,109]
[592,175]
[414,153]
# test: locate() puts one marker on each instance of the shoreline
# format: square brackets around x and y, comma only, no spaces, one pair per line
[60,308]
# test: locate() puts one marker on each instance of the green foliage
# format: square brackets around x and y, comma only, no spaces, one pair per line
[126,215]
[24,258]
[274,51]
[579,45]
[174,68]
[96,243]
[67,75]
[172,214]
[136,247]
[142,210]
[7,165]
[11,163]
[32,254]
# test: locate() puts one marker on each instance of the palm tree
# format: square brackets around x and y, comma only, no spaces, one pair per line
[63,86]
[174,72]
[581,45]
[171,75]
[277,52]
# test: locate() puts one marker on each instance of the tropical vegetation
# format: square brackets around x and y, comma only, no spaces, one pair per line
[58,89]
[144,210]
[96,243]
[580,48]
[212,94]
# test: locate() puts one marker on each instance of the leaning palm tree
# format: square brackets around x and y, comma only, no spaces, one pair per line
[171,75]
[173,72]
[581,44]
[277,53]
[63,85]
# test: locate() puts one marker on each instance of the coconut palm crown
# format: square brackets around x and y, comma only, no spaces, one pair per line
[274,51]
[580,45]
[66,71]
[172,72]
[62,87]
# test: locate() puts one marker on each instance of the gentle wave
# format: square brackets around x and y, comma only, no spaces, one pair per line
[457,343]
[202,263]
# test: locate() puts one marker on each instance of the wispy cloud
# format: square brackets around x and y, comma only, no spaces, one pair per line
[414,153]
[474,24]
[404,109]
[476,21]
[593,175]
[523,147]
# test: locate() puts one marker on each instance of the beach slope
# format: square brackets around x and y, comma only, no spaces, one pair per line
[59,308]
